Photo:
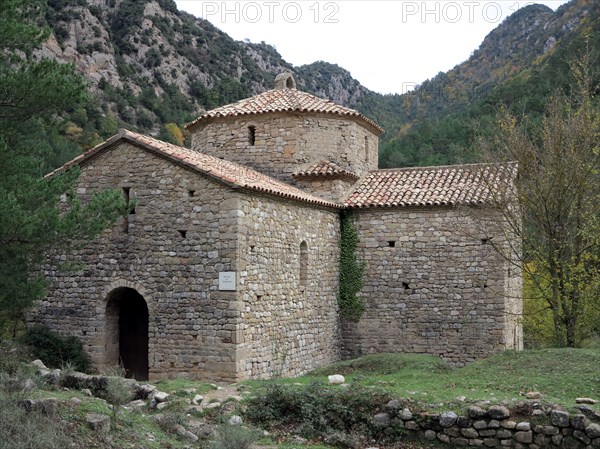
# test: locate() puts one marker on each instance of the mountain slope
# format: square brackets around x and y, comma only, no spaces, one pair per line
[150,65]
[442,129]
[524,39]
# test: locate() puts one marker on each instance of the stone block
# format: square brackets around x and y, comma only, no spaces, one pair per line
[477,412]
[98,423]
[430,435]
[579,422]
[593,430]
[469,433]
[524,437]
[479,425]
[448,419]
[381,419]
[504,434]
[443,437]
[487,433]
[498,412]
[559,418]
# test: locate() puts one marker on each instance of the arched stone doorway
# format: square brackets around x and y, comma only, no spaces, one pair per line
[127,332]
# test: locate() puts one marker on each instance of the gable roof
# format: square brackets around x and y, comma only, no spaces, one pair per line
[470,185]
[232,174]
[283,100]
[325,168]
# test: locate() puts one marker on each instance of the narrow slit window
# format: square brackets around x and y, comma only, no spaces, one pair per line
[366,149]
[127,196]
[303,264]
[252,135]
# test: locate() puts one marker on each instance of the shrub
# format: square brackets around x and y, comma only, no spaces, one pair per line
[342,439]
[234,437]
[28,429]
[56,351]
[316,411]
[171,419]
[21,428]
[117,393]
[12,356]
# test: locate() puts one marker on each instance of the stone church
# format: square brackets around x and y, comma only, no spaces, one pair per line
[227,266]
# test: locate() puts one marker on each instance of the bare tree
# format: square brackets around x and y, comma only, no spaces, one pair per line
[558,191]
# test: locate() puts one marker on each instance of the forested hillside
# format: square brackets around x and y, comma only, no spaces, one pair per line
[152,68]
[519,65]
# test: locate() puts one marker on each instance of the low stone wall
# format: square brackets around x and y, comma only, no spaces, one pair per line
[498,427]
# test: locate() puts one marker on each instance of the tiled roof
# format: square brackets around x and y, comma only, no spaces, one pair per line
[325,168]
[474,184]
[230,173]
[283,100]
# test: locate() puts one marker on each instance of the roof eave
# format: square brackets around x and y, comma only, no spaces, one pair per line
[122,136]
[358,118]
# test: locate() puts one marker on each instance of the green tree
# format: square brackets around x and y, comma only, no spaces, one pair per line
[34,92]
[558,189]
[172,133]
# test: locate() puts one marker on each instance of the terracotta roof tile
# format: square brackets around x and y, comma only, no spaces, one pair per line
[325,168]
[473,184]
[283,100]
[235,175]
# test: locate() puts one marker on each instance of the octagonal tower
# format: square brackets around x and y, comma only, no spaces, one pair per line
[286,133]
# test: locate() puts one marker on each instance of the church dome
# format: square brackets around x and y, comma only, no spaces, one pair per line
[283,98]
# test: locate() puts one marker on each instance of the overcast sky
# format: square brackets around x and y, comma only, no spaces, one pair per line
[388,46]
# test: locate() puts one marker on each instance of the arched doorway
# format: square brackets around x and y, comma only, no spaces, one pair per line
[127,332]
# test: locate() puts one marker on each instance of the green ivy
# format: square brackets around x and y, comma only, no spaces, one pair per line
[351,271]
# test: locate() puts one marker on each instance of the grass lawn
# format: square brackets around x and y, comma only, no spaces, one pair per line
[561,375]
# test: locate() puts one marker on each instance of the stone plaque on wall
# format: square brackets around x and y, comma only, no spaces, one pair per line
[227,280]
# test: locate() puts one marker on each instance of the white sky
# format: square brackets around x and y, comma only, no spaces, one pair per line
[388,46]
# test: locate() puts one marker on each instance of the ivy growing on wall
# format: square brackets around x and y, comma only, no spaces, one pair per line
[351,271]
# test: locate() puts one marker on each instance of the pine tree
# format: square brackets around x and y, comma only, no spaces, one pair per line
[34,92]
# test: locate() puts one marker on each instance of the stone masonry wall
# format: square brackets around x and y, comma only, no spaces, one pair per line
[434,285]
[181,236]
[286,142]
[288,285]
[543,426]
